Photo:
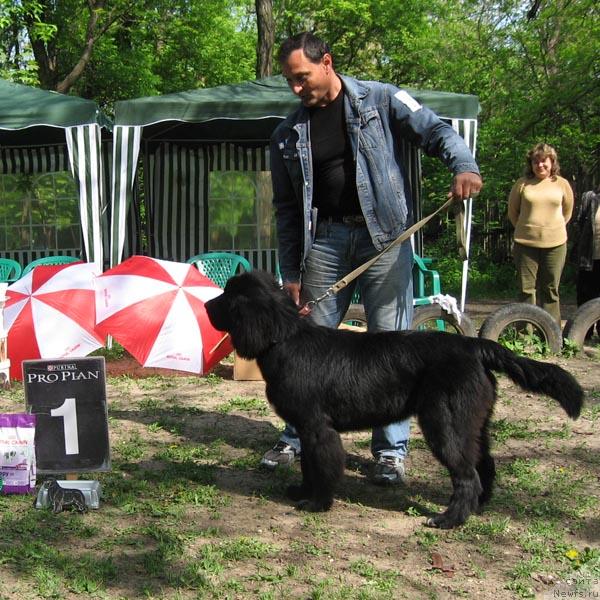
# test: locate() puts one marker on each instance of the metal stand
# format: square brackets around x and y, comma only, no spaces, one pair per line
[79,494]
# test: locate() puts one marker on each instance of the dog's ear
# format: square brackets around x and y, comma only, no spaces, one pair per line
[261,315]
[250,331]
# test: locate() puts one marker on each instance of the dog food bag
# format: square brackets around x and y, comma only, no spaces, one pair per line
[17,453]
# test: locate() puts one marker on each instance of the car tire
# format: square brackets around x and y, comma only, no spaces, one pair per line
[582,321]
[434,312]
[519,312]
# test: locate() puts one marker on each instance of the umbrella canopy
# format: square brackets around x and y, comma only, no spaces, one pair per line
[50,313]
[155,309]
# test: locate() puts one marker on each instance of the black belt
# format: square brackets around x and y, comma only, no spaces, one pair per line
[347,219]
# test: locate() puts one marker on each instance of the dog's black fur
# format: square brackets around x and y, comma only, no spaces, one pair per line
[324,381]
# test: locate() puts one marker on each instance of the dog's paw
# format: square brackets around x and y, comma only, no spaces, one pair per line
[297,492]
[442,521]
[312,506]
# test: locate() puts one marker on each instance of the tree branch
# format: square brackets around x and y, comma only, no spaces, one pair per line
[94,31]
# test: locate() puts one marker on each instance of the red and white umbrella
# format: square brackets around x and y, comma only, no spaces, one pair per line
[155,310]
[50,313]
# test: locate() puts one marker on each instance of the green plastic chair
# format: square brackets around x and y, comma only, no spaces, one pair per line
[10,270]
[49,260]
[426,281]
[220,266]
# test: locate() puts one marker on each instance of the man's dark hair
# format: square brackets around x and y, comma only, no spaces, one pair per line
[314,48]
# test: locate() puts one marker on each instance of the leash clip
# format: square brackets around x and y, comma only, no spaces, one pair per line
[307,307]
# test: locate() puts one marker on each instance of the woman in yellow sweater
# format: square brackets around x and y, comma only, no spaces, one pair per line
[539,207]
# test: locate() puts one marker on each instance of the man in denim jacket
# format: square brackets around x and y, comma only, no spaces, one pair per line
[341,195]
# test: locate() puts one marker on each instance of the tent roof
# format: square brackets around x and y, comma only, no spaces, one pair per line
[257,107]
[31,116]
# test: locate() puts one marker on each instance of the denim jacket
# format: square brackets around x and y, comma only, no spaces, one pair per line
[377,114]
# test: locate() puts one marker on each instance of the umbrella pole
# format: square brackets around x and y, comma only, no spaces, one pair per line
[465,267]
[219,344]
[4,360]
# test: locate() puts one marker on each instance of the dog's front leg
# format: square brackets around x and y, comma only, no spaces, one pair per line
[323,460]
[303,491]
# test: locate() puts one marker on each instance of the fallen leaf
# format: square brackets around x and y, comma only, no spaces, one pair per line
[437,562]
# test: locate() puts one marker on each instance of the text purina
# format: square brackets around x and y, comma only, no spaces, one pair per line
[62,376]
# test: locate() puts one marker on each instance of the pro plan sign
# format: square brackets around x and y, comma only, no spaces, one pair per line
[68,397]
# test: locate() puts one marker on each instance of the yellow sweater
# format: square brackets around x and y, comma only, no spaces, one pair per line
[539,210]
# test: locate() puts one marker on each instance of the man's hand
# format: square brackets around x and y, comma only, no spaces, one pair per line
[293,291]
[465,185]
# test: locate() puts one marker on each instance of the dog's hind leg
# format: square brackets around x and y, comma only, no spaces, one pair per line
[323,460]
[464,500]
[454,444]
[486,467]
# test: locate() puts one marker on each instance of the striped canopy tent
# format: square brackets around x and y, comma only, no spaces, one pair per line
[44,132]
[179,139]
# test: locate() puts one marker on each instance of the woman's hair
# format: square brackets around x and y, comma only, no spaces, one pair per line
[313,47]
[541,152]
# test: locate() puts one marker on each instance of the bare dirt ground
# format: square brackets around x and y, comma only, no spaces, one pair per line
[373,543]
[385,526]
[382,528]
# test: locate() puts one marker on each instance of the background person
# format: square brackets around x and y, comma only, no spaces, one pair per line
[588,249]
[540,205]
[340,192]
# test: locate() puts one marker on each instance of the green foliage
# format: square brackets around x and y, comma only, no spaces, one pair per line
[524,341]
[38,211]
[115,352]
[570,348]
[536,78]
[138,49]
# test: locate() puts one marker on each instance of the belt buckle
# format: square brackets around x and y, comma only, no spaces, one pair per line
[353,220]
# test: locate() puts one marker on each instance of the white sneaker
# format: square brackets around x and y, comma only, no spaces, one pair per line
[389,470]
[280,454]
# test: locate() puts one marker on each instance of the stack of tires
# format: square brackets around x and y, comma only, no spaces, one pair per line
[433,316]
[576,328]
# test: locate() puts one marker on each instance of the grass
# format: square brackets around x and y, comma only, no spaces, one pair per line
[523,342]
[187,513]
[257,406]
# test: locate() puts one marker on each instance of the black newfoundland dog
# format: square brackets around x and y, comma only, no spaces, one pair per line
[324,381]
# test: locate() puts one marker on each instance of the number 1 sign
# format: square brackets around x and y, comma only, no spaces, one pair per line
[68,397]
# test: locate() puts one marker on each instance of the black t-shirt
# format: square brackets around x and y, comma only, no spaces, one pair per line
[333,164]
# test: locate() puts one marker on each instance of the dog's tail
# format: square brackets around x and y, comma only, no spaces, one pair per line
[535,376]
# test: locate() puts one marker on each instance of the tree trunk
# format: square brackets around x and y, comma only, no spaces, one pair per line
[90,39]
[266,38]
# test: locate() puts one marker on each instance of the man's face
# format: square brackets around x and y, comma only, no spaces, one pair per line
[311,82]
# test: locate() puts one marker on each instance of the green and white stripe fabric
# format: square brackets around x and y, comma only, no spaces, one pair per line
[85,157]
[36,159]
[176,181]
[177,193]
[126,149]
[185,136]
[41,132]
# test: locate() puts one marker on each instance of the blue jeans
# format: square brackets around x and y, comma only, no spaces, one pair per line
[386,292]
